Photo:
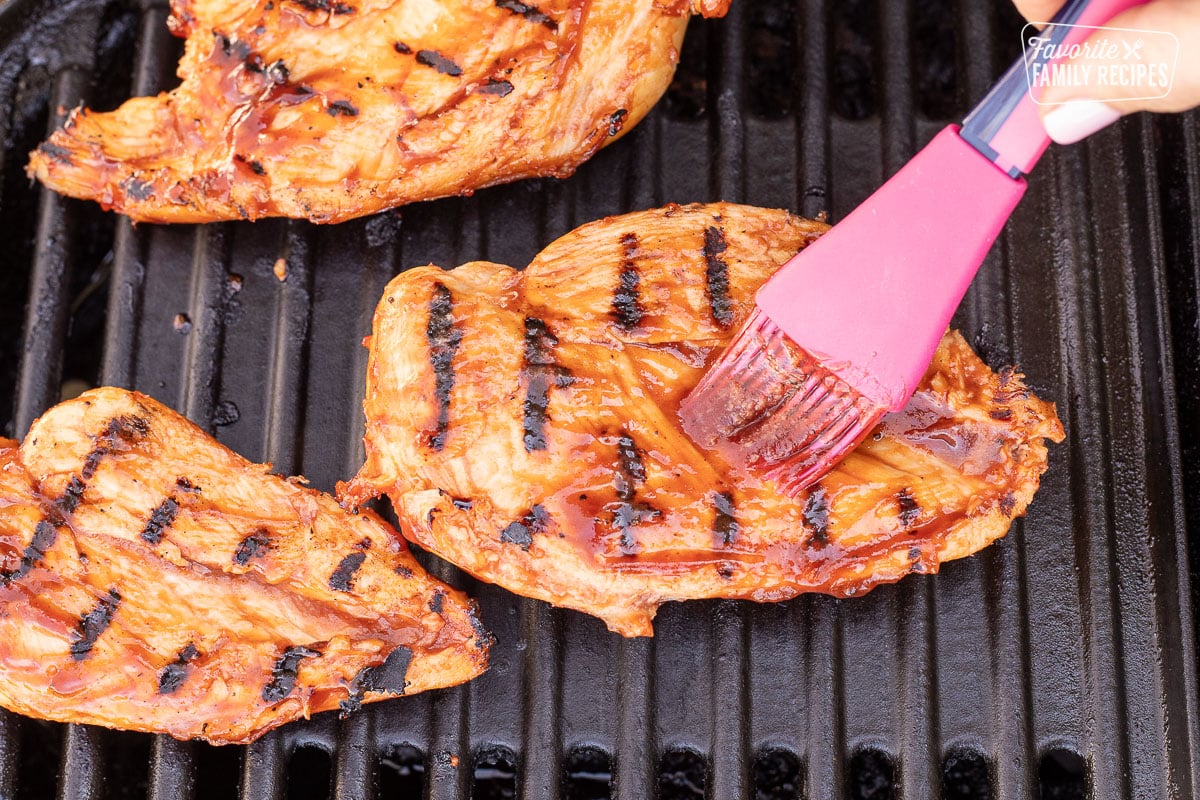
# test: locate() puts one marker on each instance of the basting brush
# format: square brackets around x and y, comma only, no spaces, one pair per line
[845,330]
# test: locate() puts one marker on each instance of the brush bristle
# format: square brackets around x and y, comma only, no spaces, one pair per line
[769,406]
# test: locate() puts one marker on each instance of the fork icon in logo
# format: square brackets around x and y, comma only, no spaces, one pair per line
[1133,50]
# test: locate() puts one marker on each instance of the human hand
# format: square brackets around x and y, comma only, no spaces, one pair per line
[1098,104]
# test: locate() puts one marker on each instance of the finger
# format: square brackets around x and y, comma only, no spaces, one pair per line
[1038,10]
[1108,82]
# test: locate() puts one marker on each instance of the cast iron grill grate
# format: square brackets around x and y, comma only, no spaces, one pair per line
[1059,663]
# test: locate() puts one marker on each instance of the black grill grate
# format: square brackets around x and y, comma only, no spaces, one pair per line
[1059,663]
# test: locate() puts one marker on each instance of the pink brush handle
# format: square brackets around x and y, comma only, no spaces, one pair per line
[1006,126]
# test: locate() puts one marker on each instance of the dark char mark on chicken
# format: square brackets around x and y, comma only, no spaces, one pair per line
[44,537]
[816,514]
[521,532]
[387,678]
[160,519]
[93,624]
[716,276]
[531,13]
[543,374]
[444,339]
[172,676]
[500,88]
[120,434]
[627,306]
[432,58]
[725,524]
[342,579]
[910,510]
[283,674]
[253,546]
[629,475]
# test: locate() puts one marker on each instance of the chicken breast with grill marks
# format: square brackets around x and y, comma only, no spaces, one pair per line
[525,426]
[150,579]
[332,109]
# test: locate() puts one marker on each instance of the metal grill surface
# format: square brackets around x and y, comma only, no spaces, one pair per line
[1058,663]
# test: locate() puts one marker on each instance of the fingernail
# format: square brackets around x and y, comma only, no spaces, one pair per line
[1078,119]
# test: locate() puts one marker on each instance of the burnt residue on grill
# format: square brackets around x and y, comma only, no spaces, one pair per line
[93,624]
[444,338]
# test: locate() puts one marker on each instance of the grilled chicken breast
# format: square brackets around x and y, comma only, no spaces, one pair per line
[332,109]
[525,426]
[150,579]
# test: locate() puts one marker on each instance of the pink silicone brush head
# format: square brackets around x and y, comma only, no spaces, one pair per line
[770,406]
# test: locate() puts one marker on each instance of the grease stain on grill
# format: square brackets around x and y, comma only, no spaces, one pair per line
[1063,775]
[182,324]
[966,776]
[587,774]
[777,775]
[682,775]
[309,773]
[853,80]
[402,772]
[225,413]
[871,775]
[494,776]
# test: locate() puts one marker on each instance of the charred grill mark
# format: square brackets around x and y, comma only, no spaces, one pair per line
[816,514]
[386,678]
[185,485]
[72,495]
[119,435]
[343,108]
[44,537]
[332,6]
[403,571]
[93,624]
[630,474]
[1001,414]
[500,88]
[627,305]
[342,579]
[461,504]
[483,638]
[725,524]
[283,674]
[910,509]
[253,546]
[616,121]
[716,277]
[55,152]
[444,339]
[171,677]
[161,519]
[401,48]
[543,374]
[137,189]
[521,532]
[531,13]
[438,601]
[432,58]
[1008,504]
